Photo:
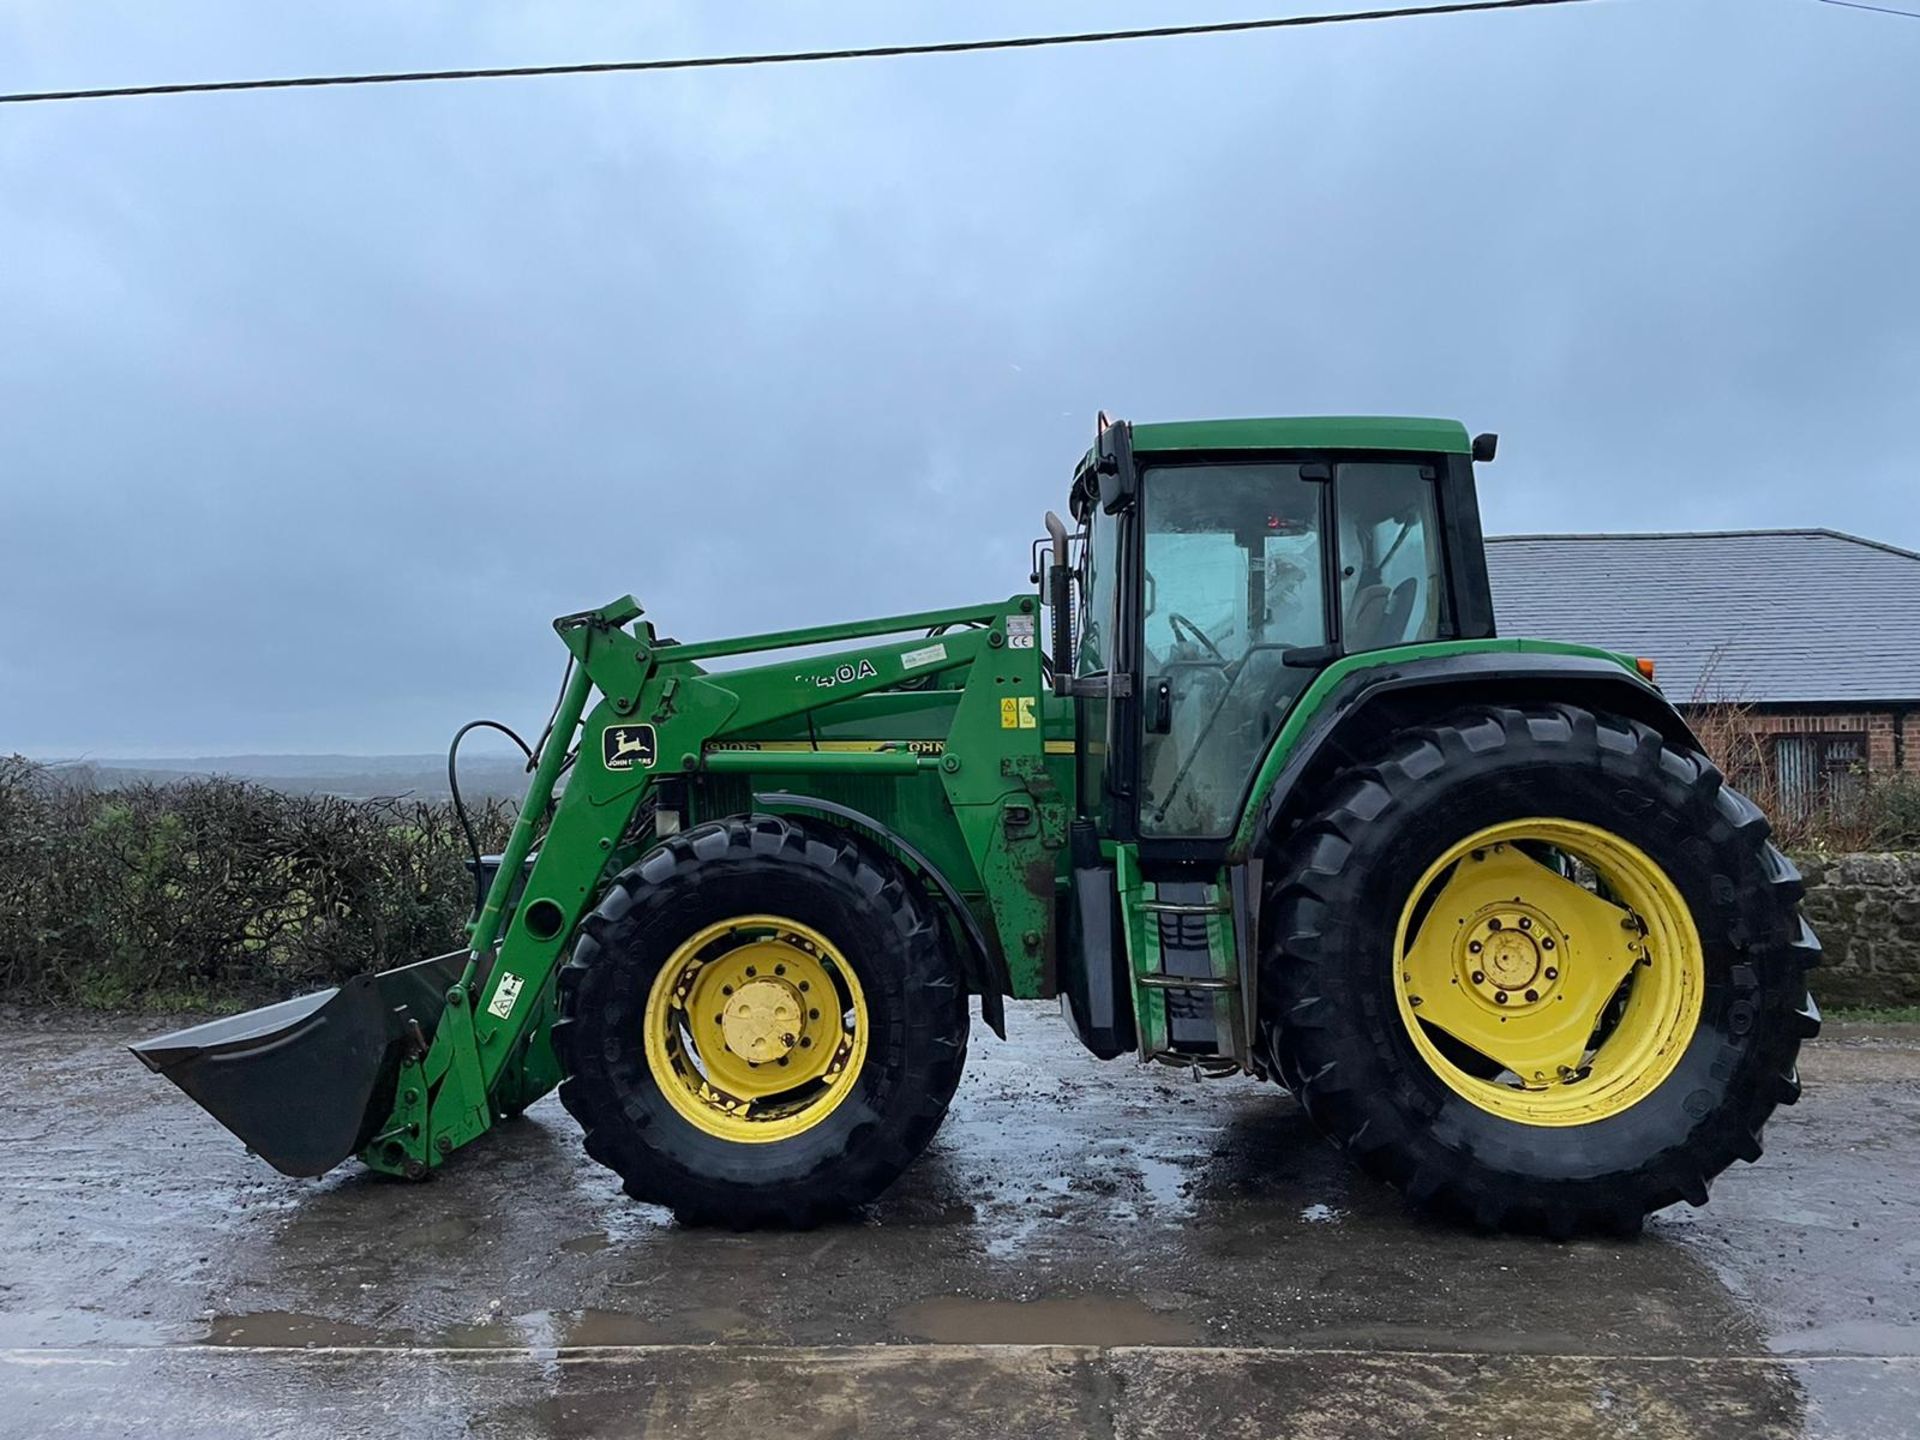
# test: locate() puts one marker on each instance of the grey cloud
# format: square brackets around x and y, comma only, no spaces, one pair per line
[316,407]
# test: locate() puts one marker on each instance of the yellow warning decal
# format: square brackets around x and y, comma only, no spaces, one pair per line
[1016,713]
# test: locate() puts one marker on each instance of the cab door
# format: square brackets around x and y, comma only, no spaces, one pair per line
[1234,586]
[1254,577]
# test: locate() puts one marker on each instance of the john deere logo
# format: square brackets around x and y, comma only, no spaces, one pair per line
[625,746]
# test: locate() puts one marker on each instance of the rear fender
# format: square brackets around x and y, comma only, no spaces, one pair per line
[1363,708]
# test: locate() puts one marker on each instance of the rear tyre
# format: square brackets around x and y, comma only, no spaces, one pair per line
[1538,969]
[761,1024]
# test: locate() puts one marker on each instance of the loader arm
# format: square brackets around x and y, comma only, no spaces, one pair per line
[636,716]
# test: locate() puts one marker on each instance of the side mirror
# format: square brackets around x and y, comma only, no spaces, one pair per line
[1113,464]
[1484,446]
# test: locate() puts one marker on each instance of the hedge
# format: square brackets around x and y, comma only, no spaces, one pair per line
[218,892]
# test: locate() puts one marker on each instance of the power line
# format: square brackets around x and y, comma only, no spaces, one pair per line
[1876,9]
[791,57]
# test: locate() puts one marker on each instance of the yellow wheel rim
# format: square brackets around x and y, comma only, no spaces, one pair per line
[1549,971]
[756,1028]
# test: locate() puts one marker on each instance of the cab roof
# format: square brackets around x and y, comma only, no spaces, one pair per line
[1323,432]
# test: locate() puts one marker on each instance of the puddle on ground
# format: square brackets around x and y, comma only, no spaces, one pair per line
[586,1244]
[609,1327]
[719,1321]
[1083,1320]
[483,1335]
[290,1329]
[443,1232]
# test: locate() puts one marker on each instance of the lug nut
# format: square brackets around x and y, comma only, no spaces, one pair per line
[806,1042]
[1525,923]
[779,969]
[1494,924]
[1479,977]
[1532,995]
[1552,974]
[751,971]
[1499,997]
[1546,942]
[1473,947]
[813,1014]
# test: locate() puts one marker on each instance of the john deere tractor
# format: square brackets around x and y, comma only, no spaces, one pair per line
[1247,781]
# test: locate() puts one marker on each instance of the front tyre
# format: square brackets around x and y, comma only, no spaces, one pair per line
[761,1024]
[1539,969]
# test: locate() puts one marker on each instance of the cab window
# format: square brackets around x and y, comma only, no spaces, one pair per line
[1231,580]
[1391,590]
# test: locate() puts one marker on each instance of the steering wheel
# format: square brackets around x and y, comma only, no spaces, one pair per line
[1182,626]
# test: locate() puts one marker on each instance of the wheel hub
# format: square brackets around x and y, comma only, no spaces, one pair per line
[756,1028]
[1510,956]
[762,1020]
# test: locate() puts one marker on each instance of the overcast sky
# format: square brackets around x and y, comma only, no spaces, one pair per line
[316,407]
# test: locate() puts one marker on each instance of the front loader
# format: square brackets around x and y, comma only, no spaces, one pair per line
[1247,782]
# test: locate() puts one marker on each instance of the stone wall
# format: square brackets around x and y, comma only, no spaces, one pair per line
[1866,909]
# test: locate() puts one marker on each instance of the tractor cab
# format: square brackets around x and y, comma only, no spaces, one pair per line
[1223,567]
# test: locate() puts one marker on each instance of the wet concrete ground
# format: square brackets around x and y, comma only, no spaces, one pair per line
[1088,1249]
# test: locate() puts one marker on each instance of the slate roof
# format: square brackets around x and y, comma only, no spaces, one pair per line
[1756,616]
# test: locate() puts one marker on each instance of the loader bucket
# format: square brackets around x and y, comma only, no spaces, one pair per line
[306,1082]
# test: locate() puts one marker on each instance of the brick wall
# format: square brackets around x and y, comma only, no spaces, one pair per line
[1877,725]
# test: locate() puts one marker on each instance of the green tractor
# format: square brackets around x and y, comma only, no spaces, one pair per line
[1247,782]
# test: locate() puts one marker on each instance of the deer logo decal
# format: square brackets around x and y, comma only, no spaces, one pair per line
[625,746]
